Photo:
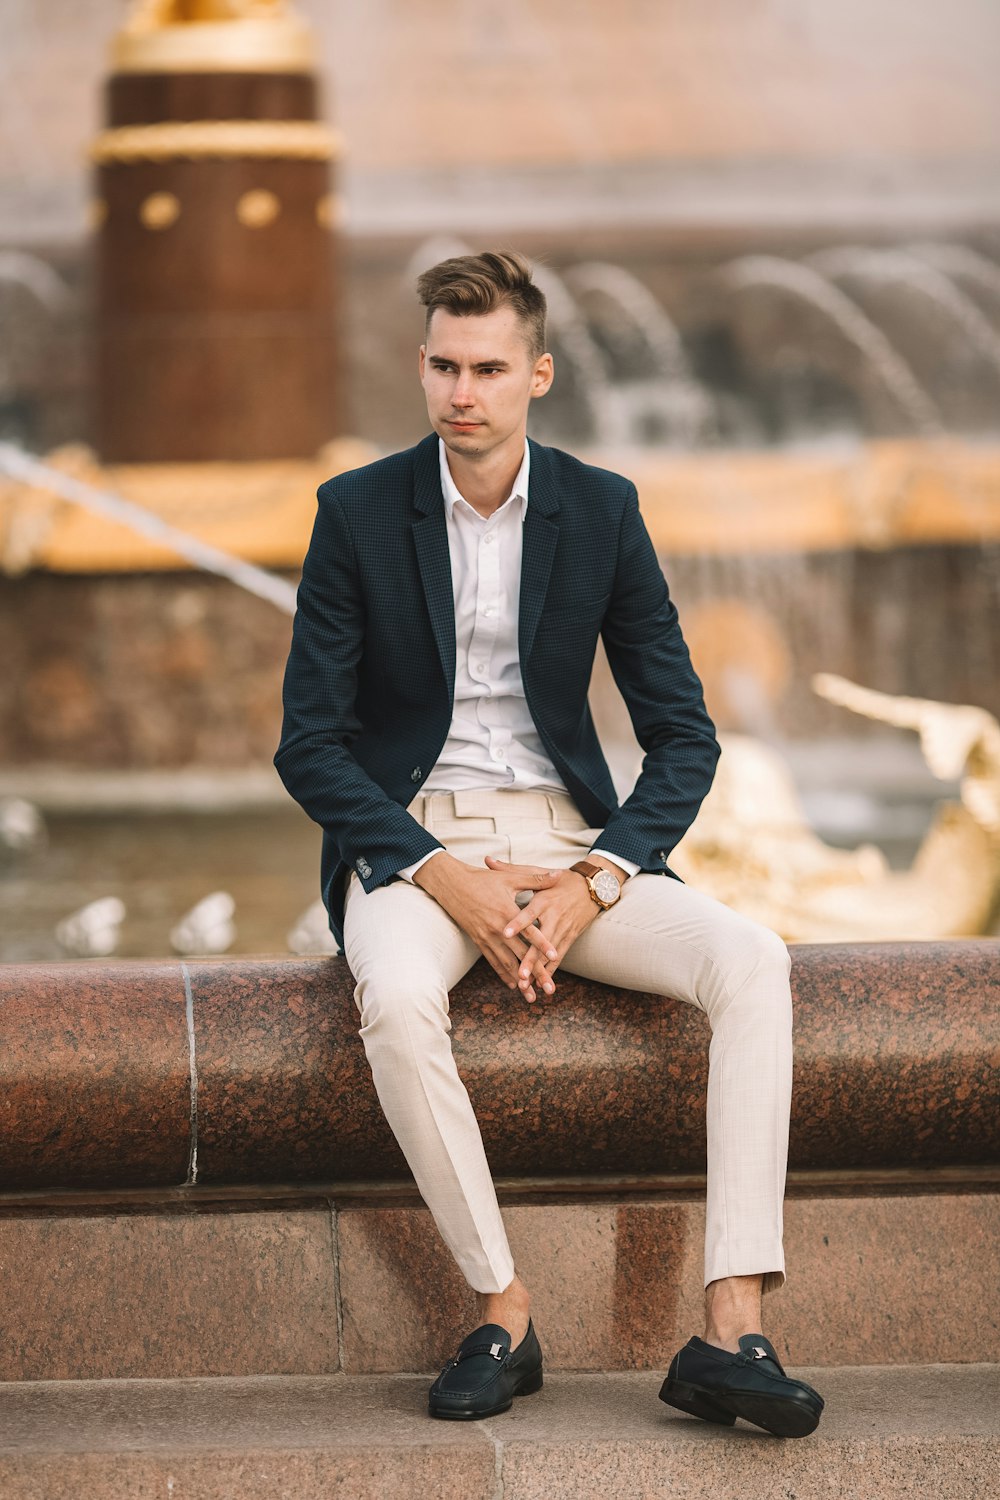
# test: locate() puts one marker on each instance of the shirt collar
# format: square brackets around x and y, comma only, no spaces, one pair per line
[452,492]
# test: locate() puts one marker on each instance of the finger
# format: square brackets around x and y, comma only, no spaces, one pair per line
[522,971]
[543,979]
[525,984]
[499,969]
[523,975]
[544,969]
[530,875]
[501,957]
[534,971]
[525,925]
[527,972]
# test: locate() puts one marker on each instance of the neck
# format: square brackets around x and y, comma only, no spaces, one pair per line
[485,480]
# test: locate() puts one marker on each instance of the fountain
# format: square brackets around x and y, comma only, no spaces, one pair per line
[780,318]
[808,470]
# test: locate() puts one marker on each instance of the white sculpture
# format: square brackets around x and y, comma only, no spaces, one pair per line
[94,930]
[207,927]
[311,933]
[22,826]
[751,846]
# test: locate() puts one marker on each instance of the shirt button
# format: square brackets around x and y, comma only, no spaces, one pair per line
[480,666]
[497,754]
[490,540]
[488,610]
[416,773]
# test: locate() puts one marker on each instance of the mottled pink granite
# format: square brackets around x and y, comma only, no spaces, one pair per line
[168,1292]
[896,1064]
[923,1434]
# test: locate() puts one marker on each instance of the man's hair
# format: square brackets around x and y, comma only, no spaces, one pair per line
[470,285]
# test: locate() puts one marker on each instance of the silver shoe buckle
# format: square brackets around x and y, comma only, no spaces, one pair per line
[497,1351]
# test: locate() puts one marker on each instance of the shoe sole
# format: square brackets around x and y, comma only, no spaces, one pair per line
[695,1402]
[527,1387]
[782,1416]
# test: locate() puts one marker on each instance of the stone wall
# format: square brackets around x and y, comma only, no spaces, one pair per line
[459,111]
[144,671]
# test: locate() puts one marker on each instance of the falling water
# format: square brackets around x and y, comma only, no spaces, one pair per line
[32,472]
[962,264]
[896,267]
[639,309]
[670,390]
[36,275]
[806,284]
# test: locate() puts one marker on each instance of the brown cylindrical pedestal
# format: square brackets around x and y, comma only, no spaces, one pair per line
[216,277]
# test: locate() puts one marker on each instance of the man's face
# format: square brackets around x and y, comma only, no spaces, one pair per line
[479,379]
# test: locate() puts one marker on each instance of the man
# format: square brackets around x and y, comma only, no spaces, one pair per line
[437,728]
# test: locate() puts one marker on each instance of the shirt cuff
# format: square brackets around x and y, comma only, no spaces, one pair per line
[408,873]
[628,865]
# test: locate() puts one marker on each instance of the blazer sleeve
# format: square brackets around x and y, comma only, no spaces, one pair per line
[373,834]
[652,667]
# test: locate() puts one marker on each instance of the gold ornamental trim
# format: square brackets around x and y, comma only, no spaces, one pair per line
[899,493]
[299,140]
[278,43]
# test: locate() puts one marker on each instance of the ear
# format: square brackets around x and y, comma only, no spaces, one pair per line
[543,375]
[423,359]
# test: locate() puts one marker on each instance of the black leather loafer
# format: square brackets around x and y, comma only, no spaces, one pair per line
[718,1386]
[486,1375]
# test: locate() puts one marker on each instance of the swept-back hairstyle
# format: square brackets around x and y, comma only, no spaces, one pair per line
[470,285]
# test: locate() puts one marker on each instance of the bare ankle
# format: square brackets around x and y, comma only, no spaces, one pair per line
[732,1309]
[509,1309]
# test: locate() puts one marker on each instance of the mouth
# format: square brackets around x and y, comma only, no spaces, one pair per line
[464,426]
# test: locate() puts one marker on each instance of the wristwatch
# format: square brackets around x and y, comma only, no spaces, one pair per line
[604,887]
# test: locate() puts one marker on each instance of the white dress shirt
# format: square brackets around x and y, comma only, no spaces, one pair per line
[492,741]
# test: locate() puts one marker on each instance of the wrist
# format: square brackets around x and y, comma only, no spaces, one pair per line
[608,864]
[604,886]
[436,873]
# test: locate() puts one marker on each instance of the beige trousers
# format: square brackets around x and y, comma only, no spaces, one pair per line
[406,953]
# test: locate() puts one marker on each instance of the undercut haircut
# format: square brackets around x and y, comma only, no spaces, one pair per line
[471,285]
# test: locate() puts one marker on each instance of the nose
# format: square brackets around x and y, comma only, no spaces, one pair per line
[462,395]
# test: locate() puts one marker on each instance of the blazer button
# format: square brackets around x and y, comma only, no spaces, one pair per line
[663,857]
[363,868]
[416,774]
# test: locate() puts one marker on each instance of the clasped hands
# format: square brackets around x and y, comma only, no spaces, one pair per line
[524,945]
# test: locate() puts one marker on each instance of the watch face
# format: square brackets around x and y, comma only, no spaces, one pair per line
[606,885]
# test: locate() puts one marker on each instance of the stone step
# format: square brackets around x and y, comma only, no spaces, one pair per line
[925,1431]
[313,1286]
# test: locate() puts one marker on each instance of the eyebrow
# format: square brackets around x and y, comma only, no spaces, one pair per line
[481,364]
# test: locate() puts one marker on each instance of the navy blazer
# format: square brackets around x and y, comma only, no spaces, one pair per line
[370,679]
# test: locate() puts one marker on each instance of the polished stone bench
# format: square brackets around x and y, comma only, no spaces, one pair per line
[195,1178]
[130,1075]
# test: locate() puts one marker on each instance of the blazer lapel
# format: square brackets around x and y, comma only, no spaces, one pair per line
[430,536]
[541,533]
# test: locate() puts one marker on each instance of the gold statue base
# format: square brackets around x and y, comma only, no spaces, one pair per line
[882,495]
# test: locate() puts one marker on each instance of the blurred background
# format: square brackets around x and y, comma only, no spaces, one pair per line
[769,233]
